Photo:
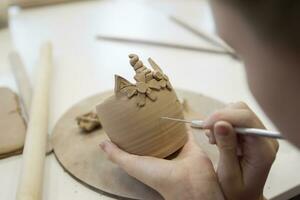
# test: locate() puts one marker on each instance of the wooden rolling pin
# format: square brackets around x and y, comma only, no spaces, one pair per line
[22,80]
[35,3]
[3,13]
[31,179]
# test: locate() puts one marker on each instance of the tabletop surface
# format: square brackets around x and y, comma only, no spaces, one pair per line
[84,66]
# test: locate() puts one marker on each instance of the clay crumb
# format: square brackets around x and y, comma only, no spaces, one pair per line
[88,122]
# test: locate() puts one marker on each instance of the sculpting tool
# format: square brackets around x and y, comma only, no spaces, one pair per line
[162,44]
[205,36]
[243,131]
[199,33]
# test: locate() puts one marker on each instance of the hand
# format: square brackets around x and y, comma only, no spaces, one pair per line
[245,161]
[189,176]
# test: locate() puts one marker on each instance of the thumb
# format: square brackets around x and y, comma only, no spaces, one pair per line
[143,168]
[226,139]
[229,170]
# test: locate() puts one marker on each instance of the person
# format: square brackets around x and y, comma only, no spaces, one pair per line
[265,35]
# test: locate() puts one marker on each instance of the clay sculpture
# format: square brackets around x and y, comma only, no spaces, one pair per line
[131,116]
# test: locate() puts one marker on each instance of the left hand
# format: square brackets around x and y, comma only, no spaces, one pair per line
[189,176]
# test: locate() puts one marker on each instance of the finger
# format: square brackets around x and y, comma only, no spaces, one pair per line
[210,136]
[229,167]
[238,105]
[236,117]
[274,144]
[226,139]
[240,146]
[142,168]
[259,152]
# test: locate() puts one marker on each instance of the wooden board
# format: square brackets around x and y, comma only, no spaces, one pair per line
[80,155]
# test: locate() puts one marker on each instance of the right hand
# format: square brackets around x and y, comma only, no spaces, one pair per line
[245,161]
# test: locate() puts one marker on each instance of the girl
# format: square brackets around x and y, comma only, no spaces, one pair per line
[265,34]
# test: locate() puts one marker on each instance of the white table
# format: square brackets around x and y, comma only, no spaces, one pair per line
[84,66]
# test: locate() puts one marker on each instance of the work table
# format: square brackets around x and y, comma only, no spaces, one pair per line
[84,66]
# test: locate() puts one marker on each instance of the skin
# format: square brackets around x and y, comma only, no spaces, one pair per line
[245,161]
[241,157]
[173,179]
[272,68]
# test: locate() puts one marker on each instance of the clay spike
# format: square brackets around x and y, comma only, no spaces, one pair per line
[121,83]
[154,65]
[136,63]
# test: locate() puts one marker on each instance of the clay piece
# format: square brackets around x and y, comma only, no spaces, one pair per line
[81,157]
[88,122]
[12,124]
[131,117]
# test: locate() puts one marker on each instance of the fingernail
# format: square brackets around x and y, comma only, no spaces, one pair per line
[222,130]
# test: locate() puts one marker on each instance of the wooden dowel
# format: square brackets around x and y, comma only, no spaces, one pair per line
[38,3]
[24,87]
[196,31]
[203,35]
[31,179]
[162,44]
[3,14]
[23,83]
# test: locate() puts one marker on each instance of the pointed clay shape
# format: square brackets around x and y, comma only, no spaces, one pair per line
[134,123]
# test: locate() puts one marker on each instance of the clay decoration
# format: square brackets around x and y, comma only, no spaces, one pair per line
[132,116]
[88,122]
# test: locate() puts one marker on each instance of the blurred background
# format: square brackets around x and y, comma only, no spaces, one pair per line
[91,41]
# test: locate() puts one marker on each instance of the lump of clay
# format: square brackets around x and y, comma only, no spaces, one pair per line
[88,122]
[12,124]
[132,116]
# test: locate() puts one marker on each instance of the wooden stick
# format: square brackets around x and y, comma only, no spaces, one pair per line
[25,89]
[202,35]
[22,80]
[162,44]
[38,3]
[31,180]
[3,14]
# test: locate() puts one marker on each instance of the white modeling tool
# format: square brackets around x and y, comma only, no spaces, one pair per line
[243,131]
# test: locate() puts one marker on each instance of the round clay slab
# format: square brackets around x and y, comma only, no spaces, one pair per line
[81,157]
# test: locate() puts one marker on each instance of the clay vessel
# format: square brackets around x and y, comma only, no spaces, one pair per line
[132,116]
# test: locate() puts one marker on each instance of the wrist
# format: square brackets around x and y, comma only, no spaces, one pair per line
[208,191]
